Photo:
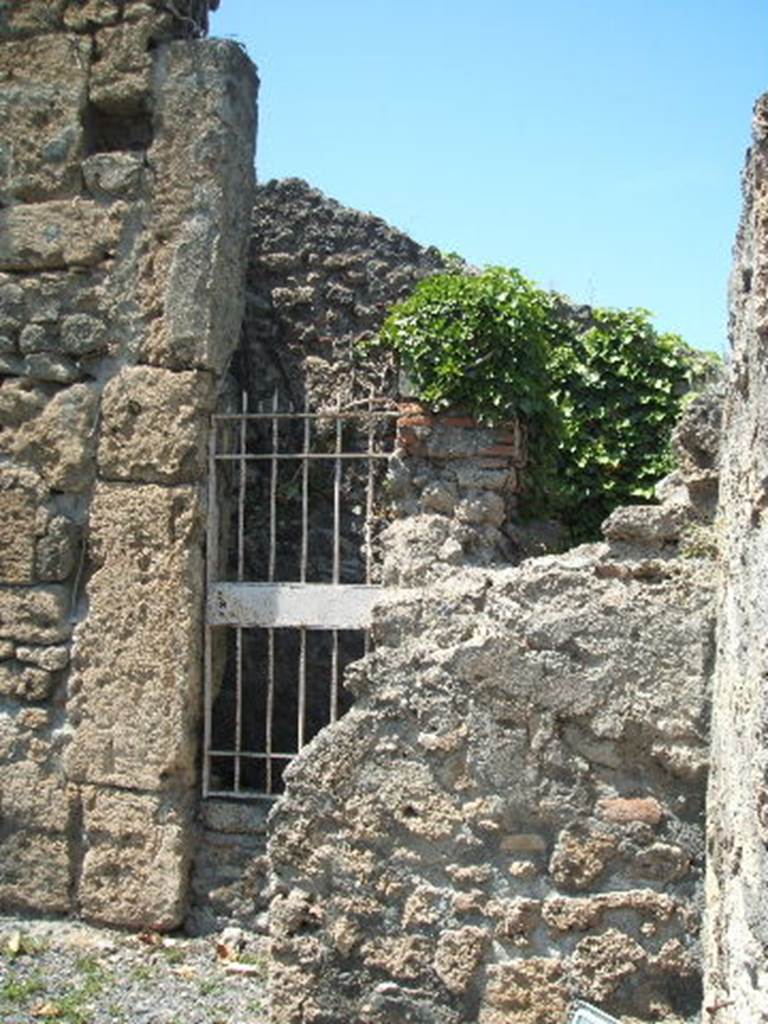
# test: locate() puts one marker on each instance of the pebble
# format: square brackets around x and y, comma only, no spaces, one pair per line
[65,971]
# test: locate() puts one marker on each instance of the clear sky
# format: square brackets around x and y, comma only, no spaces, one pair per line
[596,145]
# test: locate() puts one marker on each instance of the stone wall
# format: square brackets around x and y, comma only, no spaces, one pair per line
[321,277]
[737,881]
[512,813]
[125,186]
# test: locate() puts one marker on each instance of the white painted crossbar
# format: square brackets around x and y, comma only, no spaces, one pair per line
[311,605]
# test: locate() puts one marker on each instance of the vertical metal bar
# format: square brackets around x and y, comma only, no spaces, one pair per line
[211,559]
[335,676]
[269,725]
[240,574]
[369,495]
[241,490]
[239,703]
[305,503]
[337,502]
[270,708]
[273,492]
[302,710]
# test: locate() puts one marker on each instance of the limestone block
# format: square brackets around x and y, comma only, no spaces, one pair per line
[11,300]
[194,287]
[458,956]
[56,235]
[136,658]
[647,525]
[19,499]
[34,872]
[35,615]
[42,100]
[154,425]
[53,369]
[83,16]
[121,74]
[531,991]
[24,682]
[36,796]
[108,175]
[83,334]
[52,659]
[60,442]
[135,868]
[56,550]
[38,337]
[20,401]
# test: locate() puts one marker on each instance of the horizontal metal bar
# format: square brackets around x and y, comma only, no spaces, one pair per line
[253,755]
[244,794]
[312,605]
[234,416]
[300,456]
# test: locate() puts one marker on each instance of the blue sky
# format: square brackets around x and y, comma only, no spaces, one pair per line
[595,145]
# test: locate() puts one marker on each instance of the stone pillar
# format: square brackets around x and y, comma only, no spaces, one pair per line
[737,882]
[126,180]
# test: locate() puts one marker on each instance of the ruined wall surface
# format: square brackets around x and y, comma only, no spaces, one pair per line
[125,188]
[320,277]
[512,813]
[737,881]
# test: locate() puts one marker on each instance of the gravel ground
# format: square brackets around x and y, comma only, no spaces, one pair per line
[70,973]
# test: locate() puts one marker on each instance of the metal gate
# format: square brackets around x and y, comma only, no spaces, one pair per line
[293,516]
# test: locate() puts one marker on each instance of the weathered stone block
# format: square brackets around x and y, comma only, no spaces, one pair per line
[38,615]
[83,16]
[52,659]
[56,550]
[60,442]
[35,796]
[53,369]
[154,425]
[113,174]
[136,658]
[56,235]
[34,872]
[18,513]
[135,868]
[42,99]
[121,77]
[20,401]
[38,337]
[83,334]
[194,288]
[24,682]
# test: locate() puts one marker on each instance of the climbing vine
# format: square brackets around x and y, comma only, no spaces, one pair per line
[599,390]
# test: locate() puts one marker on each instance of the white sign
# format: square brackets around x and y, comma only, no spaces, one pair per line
[583,1013]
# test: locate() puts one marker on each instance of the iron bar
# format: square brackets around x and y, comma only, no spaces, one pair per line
[283,456]
[336,414]
[337,505]
[335,676]
[369,504]
[302,709]
[305,504]
[270,708]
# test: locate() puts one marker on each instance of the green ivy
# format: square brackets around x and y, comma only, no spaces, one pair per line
[599,390]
